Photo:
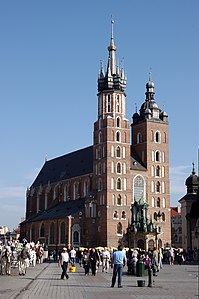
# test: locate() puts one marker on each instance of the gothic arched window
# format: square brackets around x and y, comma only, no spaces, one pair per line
[158,202]
[157,136]
[119,228]
[115,215]
[118,168]
[158,187]
[138,187]
[163,216]
[119,184]
[118,136]
[118,153]
[123,215]
[157,156]
[76,237]
[139,138]
[118,122]
[158,170]
[119,200]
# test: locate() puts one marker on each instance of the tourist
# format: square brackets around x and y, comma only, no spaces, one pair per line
[119,260]
[63,262]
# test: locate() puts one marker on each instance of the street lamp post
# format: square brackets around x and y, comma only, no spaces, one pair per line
[69,231]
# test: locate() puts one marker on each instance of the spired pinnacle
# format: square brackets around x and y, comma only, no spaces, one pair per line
[193,171]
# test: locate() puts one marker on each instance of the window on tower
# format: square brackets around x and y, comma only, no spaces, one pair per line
[118,153]
[123,215]
[118,122]
[100,123]
[99,185]
[109,104]
[158,202]
[118,103]
[138,187]
[158,171]
[139,138]
[157,137]
[115,215]
[119,184]
[158,187]
[163,216]
[118,167]
[157,156]
[118,136]
[119,229]
[119,200]
[100,137]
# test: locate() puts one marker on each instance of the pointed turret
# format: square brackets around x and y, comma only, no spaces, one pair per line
[115,77]
[112,50]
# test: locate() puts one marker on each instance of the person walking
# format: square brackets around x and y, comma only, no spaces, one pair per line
[73,256]
[86,262]
[119,260]
[63,262]
[94,259]
[105,260]
[23,258]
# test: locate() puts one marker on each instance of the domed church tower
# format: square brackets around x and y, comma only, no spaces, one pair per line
[190,211]
[150,148]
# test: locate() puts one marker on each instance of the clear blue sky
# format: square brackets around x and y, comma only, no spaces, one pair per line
[50,54]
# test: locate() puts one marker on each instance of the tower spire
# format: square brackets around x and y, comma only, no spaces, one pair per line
[114,76]
[112,49]
[193,171]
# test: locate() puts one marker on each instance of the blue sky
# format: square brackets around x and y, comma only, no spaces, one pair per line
[50,54]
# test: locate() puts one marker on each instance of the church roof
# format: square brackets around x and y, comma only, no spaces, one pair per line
[71,165]
[61,210]
[135,161]
[189,197]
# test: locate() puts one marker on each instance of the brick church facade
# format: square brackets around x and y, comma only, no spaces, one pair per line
[84,198]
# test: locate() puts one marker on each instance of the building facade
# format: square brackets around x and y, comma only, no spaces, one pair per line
[190,213]
[176,227]
[84,198]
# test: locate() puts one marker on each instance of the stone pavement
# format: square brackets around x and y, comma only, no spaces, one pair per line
[44,282]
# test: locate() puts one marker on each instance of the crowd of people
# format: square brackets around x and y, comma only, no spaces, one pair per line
[24,254]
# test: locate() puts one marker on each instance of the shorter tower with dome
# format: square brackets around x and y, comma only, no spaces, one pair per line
[190,212]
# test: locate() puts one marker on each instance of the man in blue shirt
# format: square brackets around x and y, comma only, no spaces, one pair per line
[119,260]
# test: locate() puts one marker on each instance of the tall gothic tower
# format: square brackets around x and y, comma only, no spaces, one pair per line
[111,156]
